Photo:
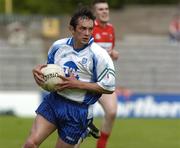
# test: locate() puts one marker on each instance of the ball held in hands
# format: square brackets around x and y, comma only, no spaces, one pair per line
[51,73]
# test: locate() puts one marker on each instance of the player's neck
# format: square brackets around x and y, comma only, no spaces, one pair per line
[102,24]
[77,45]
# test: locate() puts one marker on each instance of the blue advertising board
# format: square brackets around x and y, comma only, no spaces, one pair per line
[146,106]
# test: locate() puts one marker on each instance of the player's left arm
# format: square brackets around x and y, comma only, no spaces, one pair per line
[72,83]
[105,71]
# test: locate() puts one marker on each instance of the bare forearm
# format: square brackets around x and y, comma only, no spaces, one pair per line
[93,87]
[73,83]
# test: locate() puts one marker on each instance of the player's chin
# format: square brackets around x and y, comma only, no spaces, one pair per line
[85,41]
[105,19]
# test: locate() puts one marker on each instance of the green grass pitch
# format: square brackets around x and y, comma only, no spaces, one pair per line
[127,133]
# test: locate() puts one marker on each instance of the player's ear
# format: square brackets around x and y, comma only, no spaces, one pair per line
[71,28]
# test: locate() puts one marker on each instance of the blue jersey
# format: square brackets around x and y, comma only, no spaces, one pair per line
[88,64]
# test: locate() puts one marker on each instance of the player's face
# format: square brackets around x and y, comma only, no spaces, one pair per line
[83,32]
[102,12]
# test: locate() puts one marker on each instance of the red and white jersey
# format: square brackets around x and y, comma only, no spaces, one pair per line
[104,35]
[175,26]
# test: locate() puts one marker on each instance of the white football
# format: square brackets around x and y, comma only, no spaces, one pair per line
[51,73]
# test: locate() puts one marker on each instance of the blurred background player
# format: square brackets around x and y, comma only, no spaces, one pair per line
[174,28]
[104,35]
[103,32]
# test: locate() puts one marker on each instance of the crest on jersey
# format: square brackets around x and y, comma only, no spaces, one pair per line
[84,61]
[98,36]
[111,36]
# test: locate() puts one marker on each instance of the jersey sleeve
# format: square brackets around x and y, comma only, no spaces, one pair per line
[105,71]
[52,51]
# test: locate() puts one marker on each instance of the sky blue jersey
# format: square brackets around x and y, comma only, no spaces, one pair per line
[88,64]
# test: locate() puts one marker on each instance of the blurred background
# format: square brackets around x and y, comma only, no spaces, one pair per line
[148,68]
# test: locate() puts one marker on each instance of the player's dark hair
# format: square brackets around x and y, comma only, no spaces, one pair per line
[98,1]
[83,12]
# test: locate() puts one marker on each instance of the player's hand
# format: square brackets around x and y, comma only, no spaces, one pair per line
[68,82]
[114,54]
[38,76]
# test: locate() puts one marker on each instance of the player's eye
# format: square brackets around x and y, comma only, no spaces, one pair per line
[90,29]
